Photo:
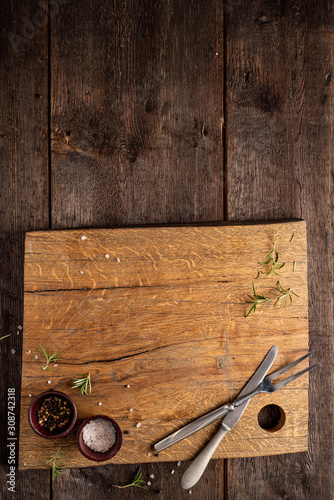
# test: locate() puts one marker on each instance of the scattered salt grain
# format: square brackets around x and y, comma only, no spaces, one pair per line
[29,352]
[55,365]
[36,357]
[152,476]
[29,395]
[13,351]
[19,327]
[118,259]
[189,492]
[99,435]
[24,463]
[83,237]
[81,272]
[178,464]
[128,387]
[107,256]
[49,382]
[148,483]
[138,425]
[172,471]
[29,456]
[17,333]
[100,403]
[149,454]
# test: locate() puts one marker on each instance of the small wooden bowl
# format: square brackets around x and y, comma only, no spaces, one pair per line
[97,456]
[33,419]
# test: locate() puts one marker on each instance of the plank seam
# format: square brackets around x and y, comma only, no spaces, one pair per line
[49,124]
[49,168]
[224,130]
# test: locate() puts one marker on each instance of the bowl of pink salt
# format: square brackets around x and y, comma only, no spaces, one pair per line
[99,438]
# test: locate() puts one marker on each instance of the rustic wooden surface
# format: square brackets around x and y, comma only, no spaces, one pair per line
[280,164]
[24,203]
[138,121]
[162,310]
[276,104]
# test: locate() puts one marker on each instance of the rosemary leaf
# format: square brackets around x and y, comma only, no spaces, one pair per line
[284,294]
[84,384]
[257,300]
[49,358]
[272,259]
[57,468]
[138,481]
[5,336]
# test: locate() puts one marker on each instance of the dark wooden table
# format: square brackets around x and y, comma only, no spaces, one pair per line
[123,113]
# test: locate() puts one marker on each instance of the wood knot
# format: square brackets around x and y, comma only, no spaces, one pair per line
[263,20]
[150,105]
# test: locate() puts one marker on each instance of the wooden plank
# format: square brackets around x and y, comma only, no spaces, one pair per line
[23,202]
[137,139]
[280,129]
[90,259]
[172,347]
[248,439]
[164,484]
[136,94]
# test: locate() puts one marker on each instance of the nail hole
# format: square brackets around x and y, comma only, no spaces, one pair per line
[271,418]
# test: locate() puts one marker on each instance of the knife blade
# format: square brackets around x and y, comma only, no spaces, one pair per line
[197,467]
[208,418]
[233,417]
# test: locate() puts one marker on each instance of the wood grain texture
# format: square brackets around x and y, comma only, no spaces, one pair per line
[142,100]
[136,113]
[23,202]
[283,131]
[100,482]
[145,257]
[280,156]
[179,339]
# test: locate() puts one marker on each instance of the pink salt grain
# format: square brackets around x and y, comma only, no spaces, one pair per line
[99,435]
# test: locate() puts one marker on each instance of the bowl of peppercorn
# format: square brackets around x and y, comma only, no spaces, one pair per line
[52,414]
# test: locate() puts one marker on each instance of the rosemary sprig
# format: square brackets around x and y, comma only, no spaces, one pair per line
[294,266]
[83,383]
[256,300]
[272,259]
[292,238]
[57,467]
[138,481]
[50,358]
[287,294]
[5,336]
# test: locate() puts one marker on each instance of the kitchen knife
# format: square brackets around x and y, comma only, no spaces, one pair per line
[197,467]
[210,417]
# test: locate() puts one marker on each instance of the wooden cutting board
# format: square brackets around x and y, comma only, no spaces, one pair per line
[157,316]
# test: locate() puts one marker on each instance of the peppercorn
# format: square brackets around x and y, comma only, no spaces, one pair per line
[54,413]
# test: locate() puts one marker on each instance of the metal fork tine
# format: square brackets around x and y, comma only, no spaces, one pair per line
[279,372]
[282,383]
